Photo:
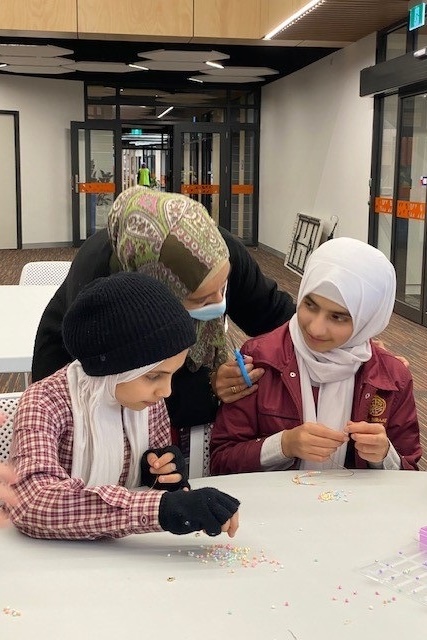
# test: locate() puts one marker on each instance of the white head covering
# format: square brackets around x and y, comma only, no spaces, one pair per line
[358,277]
[99,426]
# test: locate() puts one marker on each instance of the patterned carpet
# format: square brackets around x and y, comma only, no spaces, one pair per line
[402,336]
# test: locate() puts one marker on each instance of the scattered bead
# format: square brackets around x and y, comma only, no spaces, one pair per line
[171,579]
[11,612]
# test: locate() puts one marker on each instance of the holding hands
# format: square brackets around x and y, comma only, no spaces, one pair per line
[228,383]
[370,440]
[165,466]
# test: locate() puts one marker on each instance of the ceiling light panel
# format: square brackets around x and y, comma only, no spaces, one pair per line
[220,79]
[24,61]
[39,51]
[173,65]
[183,56]
[241,71]
[101,67]
[51,71]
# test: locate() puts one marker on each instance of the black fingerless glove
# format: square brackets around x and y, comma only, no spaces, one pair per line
[149,479]
[202,509]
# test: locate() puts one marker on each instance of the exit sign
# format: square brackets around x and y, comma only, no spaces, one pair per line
[136,132]
[417,16]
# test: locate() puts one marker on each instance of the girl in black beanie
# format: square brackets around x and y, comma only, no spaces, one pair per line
[88,435]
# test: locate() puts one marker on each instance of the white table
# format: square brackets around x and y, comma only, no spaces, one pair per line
[21,308]
[118,589]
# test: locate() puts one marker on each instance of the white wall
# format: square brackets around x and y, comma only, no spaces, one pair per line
[315,155]
[46,107]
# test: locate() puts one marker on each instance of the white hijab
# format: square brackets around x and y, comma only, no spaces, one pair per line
[99,426]
[358,277]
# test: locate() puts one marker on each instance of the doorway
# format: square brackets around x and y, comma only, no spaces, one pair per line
[96,178]
[398,208]
[10,185]
[151,145]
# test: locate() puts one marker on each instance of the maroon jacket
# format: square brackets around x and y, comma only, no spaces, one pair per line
[383,393]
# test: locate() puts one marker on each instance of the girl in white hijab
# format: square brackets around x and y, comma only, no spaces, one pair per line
[346,297]
[329,397]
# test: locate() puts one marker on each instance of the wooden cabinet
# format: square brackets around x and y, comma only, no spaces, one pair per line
[159,18]
[35,18]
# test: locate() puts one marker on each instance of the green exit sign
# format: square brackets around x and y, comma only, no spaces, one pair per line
[136,132]
[417,16]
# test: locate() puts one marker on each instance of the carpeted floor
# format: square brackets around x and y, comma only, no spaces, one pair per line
[402,336]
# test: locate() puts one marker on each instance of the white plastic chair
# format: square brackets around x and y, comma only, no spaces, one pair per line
[200,438]
[8,405]
[46,272]
[51,272]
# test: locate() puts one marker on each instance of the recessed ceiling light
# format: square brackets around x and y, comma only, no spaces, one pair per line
[138,66]
[165,112]
[3,64]
[214,64]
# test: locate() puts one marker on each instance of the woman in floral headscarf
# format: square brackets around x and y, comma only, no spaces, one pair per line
[172,238]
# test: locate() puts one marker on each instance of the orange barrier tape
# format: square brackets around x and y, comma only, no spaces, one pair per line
[204,189]
[97,187]
[411,210]
[383,205]
[245,189]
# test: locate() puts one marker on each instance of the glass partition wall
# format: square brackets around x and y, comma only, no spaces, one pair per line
[204,144]
[399,179]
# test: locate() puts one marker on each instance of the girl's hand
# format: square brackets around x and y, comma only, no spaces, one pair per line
[7,495]
[370,440]
[312,441]
[164,466]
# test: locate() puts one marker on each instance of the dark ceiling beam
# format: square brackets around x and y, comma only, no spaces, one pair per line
[393,74]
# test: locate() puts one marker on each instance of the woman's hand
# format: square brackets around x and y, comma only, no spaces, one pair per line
[381,345]
[370,440]
[228,383]
[312,441]
[7,495]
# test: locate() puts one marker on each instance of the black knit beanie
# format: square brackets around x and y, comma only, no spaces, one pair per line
[123,322]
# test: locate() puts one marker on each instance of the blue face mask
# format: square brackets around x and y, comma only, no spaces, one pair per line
[209,311]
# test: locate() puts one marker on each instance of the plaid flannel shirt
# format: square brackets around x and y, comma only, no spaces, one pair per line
[54,505]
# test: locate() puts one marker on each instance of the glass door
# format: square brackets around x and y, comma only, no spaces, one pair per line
[95,175]
[201,167]
[409,233]
[400,188]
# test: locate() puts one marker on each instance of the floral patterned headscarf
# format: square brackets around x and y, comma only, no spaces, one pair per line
[173,239]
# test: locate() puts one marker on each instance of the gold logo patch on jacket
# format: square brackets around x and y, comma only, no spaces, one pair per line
[378,406]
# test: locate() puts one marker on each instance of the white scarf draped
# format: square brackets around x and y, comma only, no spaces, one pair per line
[358,277]
[100,423]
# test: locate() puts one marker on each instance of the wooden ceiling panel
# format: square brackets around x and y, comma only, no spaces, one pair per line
[346,20]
